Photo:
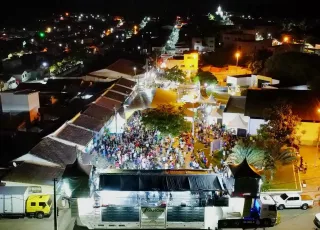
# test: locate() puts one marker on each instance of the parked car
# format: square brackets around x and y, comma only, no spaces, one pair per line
[316,220]
[293,200]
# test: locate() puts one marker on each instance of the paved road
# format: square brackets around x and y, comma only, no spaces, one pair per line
[291,219]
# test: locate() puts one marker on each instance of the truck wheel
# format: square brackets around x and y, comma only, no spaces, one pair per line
[281,207]
[40,215]
[305,206]
[266,222]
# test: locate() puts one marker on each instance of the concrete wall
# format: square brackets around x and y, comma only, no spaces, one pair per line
[309,133]
[19,102]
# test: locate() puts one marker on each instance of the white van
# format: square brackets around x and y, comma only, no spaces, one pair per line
[316,220]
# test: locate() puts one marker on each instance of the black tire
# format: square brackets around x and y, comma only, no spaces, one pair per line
[281,207]
[304,206]
[40,215]
[266,222]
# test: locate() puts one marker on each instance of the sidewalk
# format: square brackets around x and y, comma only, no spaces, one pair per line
[312,176]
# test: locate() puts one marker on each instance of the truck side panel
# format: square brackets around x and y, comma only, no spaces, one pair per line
[18,204]
[1,203]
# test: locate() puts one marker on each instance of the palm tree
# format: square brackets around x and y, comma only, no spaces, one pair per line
[279,156]
[254,155]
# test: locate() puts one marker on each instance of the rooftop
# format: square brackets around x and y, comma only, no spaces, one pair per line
[304,102]
[241,76]
[116,96]
[108,103]
[121,89]
[75,135]
[125,82]
[236,105]
[89,123]
[98,112]
[55,151]
[33,174]
[126,67]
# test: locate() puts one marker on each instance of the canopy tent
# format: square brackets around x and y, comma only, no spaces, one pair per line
[238,123]
[76,180]
[216,113]
[153,181]
[247,179]
[117,124]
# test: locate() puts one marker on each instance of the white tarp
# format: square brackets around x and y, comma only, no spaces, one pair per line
[238,123]
[117,124]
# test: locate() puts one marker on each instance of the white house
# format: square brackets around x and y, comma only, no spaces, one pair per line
[250,80]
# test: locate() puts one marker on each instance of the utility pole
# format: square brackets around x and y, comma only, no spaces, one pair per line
[55,204]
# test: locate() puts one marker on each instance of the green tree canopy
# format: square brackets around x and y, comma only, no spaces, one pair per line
[247,150]
[167,119]
[293,67]
[205,77]
[281,126]
[174,74]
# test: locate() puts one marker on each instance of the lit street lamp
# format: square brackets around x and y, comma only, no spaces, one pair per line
[135,73]
[237,55]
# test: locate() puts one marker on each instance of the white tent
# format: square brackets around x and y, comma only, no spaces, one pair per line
[238,123]
[216,113]
[117,124]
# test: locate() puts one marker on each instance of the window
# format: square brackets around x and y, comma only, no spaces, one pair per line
[49,202]
[296,198]
[35,189]
[182,66]
[42,204]
[291,198]
[33,203]
[192,66]
[284,196]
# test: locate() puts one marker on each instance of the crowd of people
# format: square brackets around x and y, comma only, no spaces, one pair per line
[138,148]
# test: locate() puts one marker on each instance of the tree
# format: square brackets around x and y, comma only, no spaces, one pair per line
[242,150]
[174,74]
[168,119]
[293,67]
[205,77]
[281,126]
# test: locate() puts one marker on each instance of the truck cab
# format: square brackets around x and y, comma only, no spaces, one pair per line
[39,206]
[293,200]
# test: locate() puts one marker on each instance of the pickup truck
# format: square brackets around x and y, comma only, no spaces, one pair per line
[293,200]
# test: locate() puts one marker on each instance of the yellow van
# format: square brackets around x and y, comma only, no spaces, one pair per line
[39,206]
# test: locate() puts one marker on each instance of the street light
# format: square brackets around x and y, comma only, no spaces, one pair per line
[237,55]
[135,73]
[286,39]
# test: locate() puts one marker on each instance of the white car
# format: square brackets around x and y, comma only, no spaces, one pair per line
[293,200]
[316,220]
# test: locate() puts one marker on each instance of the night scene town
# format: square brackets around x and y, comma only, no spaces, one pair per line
[140,114]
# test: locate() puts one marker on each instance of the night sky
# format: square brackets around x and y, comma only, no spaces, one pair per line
[22,9]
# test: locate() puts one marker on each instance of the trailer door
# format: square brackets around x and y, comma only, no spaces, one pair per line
[8,204]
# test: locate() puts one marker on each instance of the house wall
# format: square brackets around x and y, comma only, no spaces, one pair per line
[251,47]
[230,39]
[309,132]
[242,81]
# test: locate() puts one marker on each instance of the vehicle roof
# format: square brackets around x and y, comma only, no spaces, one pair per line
[8,190]
[266,199]
[39,197]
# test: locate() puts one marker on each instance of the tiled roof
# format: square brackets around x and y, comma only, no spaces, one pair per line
[126,67]
[126,83]
[33,174]
[121,89]
[75,135]
[116,96]
[89,123]
[98,112]
[108,103]
[55,152]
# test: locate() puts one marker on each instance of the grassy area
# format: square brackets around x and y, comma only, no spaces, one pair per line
[215,160]
[285,179]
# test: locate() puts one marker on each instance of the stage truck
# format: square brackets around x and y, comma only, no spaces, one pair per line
[177,199]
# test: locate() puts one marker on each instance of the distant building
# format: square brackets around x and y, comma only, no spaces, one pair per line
[250,80]
[229,39]
[206,44]
[252,47]
[21,101]
[188,63]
